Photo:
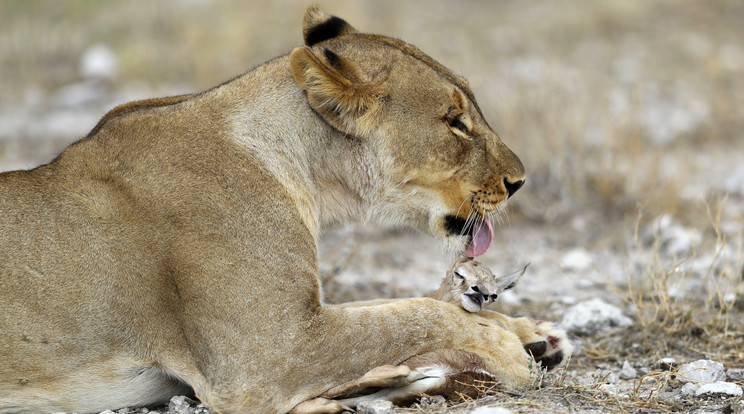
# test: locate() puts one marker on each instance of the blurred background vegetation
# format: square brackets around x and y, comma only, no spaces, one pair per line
[610,104]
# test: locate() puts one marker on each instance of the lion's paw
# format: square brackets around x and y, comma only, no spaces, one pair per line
[547,343]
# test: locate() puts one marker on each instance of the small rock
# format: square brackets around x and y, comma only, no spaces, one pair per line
[608,388]
[701,372]
[202,409]
[627,371]
[576,260]
[594,316]
[181,405]
[431,401]
[719,388]
[99,61]
[666,364]
[668,392]
[689,389]
[610,377]
[568,300]
[375,407]
[614,389]
[491,410]
[735,374]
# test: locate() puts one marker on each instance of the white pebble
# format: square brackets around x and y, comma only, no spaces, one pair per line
[702,372]
[99,61]
[627,371]
[576,260]
[719,387]
[375,407]
[568,300]
[491,410]
[593,316]
[736,374]
[689,389]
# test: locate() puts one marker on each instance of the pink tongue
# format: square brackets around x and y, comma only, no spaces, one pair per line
[481,241]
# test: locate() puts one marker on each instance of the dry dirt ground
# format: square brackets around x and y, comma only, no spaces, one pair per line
[627,115]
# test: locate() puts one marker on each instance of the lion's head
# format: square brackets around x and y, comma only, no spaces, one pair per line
[437,164]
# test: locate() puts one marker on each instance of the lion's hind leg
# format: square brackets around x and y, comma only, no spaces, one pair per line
[318,406]
[385,377]
[446,372]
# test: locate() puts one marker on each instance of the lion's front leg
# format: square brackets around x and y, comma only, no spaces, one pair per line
[396,331]
[547,343]
[438,345]
[341,343]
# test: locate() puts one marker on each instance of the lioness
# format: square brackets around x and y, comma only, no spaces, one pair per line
[471,285]
[149,257]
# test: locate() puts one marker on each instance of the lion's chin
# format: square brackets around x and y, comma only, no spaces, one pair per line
[471,244]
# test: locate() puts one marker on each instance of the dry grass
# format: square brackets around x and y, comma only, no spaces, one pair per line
[711,305]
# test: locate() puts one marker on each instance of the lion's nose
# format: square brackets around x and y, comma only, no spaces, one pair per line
[512,187]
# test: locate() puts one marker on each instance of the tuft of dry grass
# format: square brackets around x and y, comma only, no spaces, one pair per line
[655,295]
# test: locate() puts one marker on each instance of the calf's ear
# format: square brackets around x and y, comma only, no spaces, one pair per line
[509,281]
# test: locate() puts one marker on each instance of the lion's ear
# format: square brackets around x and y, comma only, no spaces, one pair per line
[319,26]
[336,88]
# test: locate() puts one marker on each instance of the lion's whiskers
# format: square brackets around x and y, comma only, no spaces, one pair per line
[463,203]
[468,220]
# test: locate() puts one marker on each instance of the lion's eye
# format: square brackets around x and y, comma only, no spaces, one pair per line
[459,276]
[458,124]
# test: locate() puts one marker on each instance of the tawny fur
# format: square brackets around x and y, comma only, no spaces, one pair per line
[175,247]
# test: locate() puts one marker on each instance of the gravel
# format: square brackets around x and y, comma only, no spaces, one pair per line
[594,316]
